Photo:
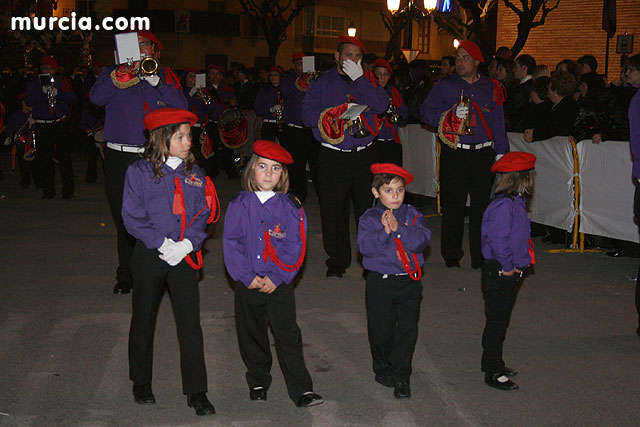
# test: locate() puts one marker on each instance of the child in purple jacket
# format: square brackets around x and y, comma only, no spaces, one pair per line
[507,250]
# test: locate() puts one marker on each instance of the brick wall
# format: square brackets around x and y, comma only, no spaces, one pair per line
[573,30]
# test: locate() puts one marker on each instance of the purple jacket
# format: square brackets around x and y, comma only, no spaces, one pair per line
[89,122]
[147,204]
[15,123]
[125,108]
[331,90]
[293,98]
[197,106]
[378,248]
[36,98]
[388,128]
[266,98]
[243,240]
[220,99]
[634,128]
[506,230]
[446,93]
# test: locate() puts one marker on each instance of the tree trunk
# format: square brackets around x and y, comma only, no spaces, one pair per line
[523,34]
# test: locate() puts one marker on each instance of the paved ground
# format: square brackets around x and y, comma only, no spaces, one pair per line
[63,335]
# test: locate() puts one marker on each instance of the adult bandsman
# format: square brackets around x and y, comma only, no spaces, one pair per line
[387,143]
[127,98]
[345,155]
[222,97]
[465,162]
[200,104]
[295,138]
[51,101]
[269,105]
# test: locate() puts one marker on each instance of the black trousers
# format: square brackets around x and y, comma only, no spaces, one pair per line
[499,293]
[462,172]
[255,312]
[343,178]
[149,276]
[636,211]
[388,151]
[49,135]
[115,170]
[303,147]
[393,311]
[223,158]
[27,170]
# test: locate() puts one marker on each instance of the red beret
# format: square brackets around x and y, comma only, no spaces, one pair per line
[392,169]
[272,151]
[352,40]
[277,69]
[217,67]
[190,70]
[149,35]
[382,63]
[473,49]
[168,116]
[50,61]
[514,161]
[297,55]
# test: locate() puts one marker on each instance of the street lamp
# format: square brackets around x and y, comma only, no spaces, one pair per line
[456,43]
[414,11]
[351,30]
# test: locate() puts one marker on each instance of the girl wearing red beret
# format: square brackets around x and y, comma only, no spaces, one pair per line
[166,205]
[507,250]
[264,245]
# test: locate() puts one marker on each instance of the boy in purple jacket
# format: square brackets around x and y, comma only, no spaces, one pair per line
[507,250]
[391,238]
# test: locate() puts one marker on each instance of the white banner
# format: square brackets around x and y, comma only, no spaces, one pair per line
[606,204]
[552,199]
[419,158]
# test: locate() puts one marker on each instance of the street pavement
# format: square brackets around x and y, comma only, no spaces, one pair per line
[63,334]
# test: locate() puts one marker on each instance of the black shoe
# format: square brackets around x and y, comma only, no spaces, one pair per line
[385,380]
[309,399]
[122,287]
[332,272]
[450,263]
[615,254]
[401,390]
[200,403]
[500,381]
[143,395]
[509,372]
[258,394]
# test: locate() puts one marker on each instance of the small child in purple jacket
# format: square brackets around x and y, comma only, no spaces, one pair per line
[507,250]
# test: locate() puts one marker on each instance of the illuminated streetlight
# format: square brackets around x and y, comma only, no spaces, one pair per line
[393,5]
[456,43]
[351,30]
[429,5]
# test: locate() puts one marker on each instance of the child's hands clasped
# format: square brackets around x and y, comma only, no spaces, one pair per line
[389,221]
[263,284]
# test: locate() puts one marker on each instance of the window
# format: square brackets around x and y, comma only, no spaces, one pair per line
[330,25]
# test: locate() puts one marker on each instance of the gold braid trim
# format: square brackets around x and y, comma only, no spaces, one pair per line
[123,85]
[441,134]
[300,88]
[326,137]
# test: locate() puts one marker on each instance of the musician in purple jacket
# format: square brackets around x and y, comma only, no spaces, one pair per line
[51,104]
[466,160]
[507,250]
[387,143]
[18,131]
[345,159]
[202,105]
[269,105]
[127,98]
[296,138]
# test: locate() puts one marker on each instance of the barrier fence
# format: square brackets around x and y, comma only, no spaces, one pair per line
[579,184]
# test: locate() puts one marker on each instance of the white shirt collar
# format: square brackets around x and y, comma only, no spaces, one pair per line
[264,195]
[173,162]
[526,79]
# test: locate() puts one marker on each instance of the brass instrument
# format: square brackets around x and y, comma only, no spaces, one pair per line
[357,129]
[392,113]
[279,113]
[203,94]
[31,154]
[52,100]
[465,128]
[148,66]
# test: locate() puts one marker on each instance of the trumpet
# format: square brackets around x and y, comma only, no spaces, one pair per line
[52,100]
[280,111]
[465,128]
[203,94]
[392,113]
[356,128]
[31,154]
[147,67]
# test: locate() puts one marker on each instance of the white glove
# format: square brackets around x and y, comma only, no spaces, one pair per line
[152,80]
[176,251]
[31,121]
[7,142]
[45,89]
[498,156]
[193,91]
[275,108]
[462,112]
[54,91]
[352,69]
[165,244]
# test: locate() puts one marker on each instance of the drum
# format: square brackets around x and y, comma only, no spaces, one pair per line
[232,125]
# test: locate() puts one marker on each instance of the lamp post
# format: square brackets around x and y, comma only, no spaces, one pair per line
[414,11]
[351,31]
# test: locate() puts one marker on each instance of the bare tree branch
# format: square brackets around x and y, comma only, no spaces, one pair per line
[545,11]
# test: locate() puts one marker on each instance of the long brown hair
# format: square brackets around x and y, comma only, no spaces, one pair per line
[249,180]
[514,183]
[156,149]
